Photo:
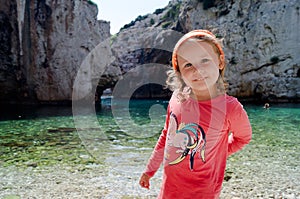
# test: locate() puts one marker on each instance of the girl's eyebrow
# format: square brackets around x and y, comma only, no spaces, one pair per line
[185,63]
[206,56]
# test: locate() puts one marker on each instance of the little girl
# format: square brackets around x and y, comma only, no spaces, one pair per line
[203,124]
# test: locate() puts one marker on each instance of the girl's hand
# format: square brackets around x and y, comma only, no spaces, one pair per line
[144,181]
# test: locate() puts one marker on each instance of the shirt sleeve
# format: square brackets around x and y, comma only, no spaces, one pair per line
[240,128]
[158,152]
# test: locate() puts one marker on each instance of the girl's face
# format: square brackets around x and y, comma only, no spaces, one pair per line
[199,65]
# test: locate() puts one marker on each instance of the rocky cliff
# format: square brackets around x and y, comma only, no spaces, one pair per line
[261,42]
[42,45]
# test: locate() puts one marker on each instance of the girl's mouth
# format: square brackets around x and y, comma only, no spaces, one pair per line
[199,79]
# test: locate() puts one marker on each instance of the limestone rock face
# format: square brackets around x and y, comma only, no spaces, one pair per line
[145,54]
[261,42]
[145,49]
[44,44]
[10,76]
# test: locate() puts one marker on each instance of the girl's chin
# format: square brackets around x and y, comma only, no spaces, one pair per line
[200,86]
[203,88]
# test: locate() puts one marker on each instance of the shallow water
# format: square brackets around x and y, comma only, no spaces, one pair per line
[37,136]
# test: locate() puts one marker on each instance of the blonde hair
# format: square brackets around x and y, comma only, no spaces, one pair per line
[174,81]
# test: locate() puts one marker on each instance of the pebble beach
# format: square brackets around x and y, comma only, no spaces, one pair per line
[249,174]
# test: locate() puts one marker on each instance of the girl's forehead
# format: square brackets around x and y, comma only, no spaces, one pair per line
[194,45]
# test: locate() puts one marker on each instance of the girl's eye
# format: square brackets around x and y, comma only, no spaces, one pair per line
[188,65]
[203,61]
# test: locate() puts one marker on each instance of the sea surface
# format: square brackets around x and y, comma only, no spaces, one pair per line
[34,136]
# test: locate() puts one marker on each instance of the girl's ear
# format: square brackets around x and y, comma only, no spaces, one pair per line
[222,62]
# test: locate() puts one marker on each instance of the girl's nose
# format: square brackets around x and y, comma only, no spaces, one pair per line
[198,69]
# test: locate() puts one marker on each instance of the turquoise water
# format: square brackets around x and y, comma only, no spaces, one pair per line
[37,136]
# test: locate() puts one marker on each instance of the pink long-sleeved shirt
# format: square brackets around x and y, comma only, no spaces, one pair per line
[197,138]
